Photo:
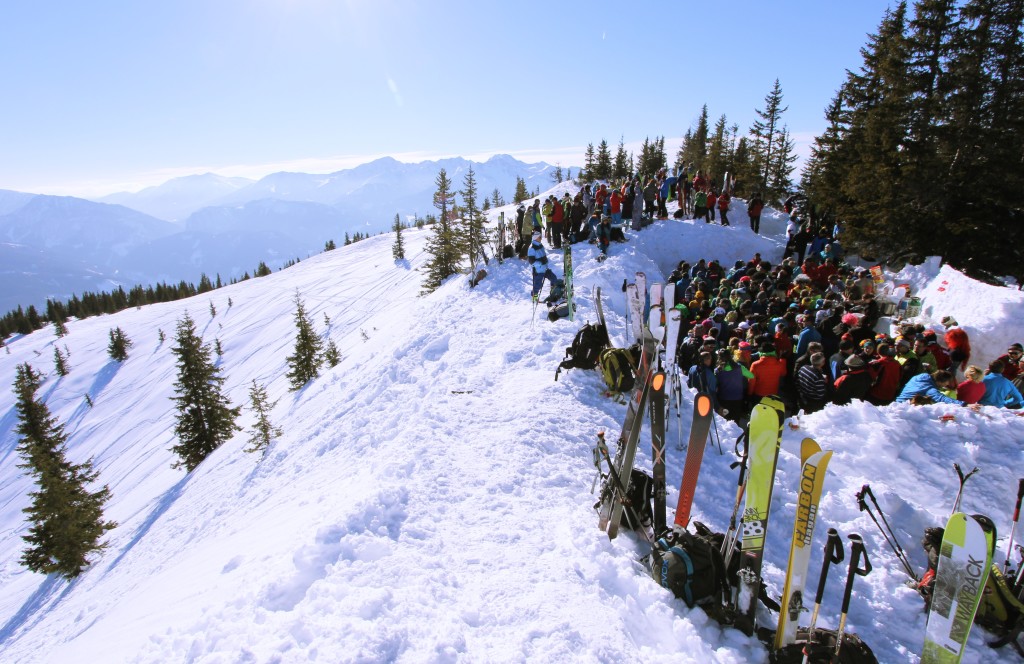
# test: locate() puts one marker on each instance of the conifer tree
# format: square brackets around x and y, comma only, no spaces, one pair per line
[331,354]
[205,417]
[304,362]
[263,431]
[766,135]
[621,167]
[60,362]
[521,192]
[443,245]
[119,344]
[398,247]
[472,227]
[59,328]
[67,518]
[556,175]
[588,164]
[603,162]
[496,199]
[330,246]
[718,153]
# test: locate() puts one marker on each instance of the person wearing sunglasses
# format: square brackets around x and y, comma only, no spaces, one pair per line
[1011,365]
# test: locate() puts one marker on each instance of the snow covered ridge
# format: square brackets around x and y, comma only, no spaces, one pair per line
[430,499]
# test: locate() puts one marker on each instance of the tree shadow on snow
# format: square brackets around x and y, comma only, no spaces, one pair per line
[103,378]
[46,591]
[161,507]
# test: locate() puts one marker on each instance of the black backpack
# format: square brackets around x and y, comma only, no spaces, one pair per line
[585,349]
[691,567]
[822,651]
[639,495]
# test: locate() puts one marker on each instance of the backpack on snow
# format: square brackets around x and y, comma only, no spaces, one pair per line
[617,369]
[639,497]
[853,651]
[585,349]
[691,567]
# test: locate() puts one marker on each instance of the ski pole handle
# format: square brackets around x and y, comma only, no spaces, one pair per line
[857,553]
[833,555]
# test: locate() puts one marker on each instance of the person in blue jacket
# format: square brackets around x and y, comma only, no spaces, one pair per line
[701,376]
[928,388]
[999,391]
[538,259]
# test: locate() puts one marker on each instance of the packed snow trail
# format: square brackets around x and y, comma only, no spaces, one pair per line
[430,497]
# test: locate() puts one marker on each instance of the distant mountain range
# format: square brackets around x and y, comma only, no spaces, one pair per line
[54,246]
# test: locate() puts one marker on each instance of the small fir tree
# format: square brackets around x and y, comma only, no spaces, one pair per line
[161,336]
[217,348]
[67,519]
[304,363]
[205,417]
[398,248]
[59,328]
[119,345]
[213,310]
[331,355]
[263,431]
[60,362]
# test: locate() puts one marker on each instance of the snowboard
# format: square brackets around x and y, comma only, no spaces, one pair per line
[701,425]
[964,560]
[812,479]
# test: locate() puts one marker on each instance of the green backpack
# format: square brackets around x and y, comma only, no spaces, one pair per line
[616,366]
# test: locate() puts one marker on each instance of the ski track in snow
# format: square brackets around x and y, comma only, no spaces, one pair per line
[429,500]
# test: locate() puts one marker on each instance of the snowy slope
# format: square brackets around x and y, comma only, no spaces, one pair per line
[430,497]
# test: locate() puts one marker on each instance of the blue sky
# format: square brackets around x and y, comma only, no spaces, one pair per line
[105,96]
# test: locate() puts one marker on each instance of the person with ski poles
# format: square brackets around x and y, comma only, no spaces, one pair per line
[538,260]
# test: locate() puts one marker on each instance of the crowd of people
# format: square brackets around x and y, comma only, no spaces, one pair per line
[806,331]
[803,329]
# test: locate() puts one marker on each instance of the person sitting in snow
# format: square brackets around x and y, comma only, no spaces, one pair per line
[1011,365]
[538,259]
[999,391]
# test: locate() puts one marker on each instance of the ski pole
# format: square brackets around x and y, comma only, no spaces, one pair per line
[833,556]
[1016,515]
[887,532]
[963,480]
[729,541]
[857,551]
[718,437]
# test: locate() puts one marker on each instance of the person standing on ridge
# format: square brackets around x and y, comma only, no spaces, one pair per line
[754,207]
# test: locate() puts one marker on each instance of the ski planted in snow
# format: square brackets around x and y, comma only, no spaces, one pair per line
[600,317]
[634,302]
[567,279]
[699,429]
[658,448]
[765,438]
[812,479]
[964,561]
[612,496]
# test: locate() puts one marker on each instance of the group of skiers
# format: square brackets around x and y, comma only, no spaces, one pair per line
[806,332]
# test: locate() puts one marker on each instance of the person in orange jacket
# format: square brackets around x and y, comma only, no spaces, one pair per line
[768,372]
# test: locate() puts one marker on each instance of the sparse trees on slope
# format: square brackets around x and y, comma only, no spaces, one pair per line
[443,244]
[304,362]
[472,227]
[67,518]
[205,417]
[60,362]
[119,344]
[398,248]
[263,431]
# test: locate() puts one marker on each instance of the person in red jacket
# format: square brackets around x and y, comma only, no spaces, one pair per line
[754,207]
[712,200]
[973,388]
[768,372]
[723,207]
[1011,365]
[885,376]
[958,344]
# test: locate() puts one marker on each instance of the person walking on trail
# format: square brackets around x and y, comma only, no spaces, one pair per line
[538,260]
[754,207]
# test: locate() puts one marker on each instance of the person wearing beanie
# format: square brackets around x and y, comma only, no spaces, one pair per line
[1011,365]
[812,384]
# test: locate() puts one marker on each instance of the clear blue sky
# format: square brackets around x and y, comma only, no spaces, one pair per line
[102,96]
